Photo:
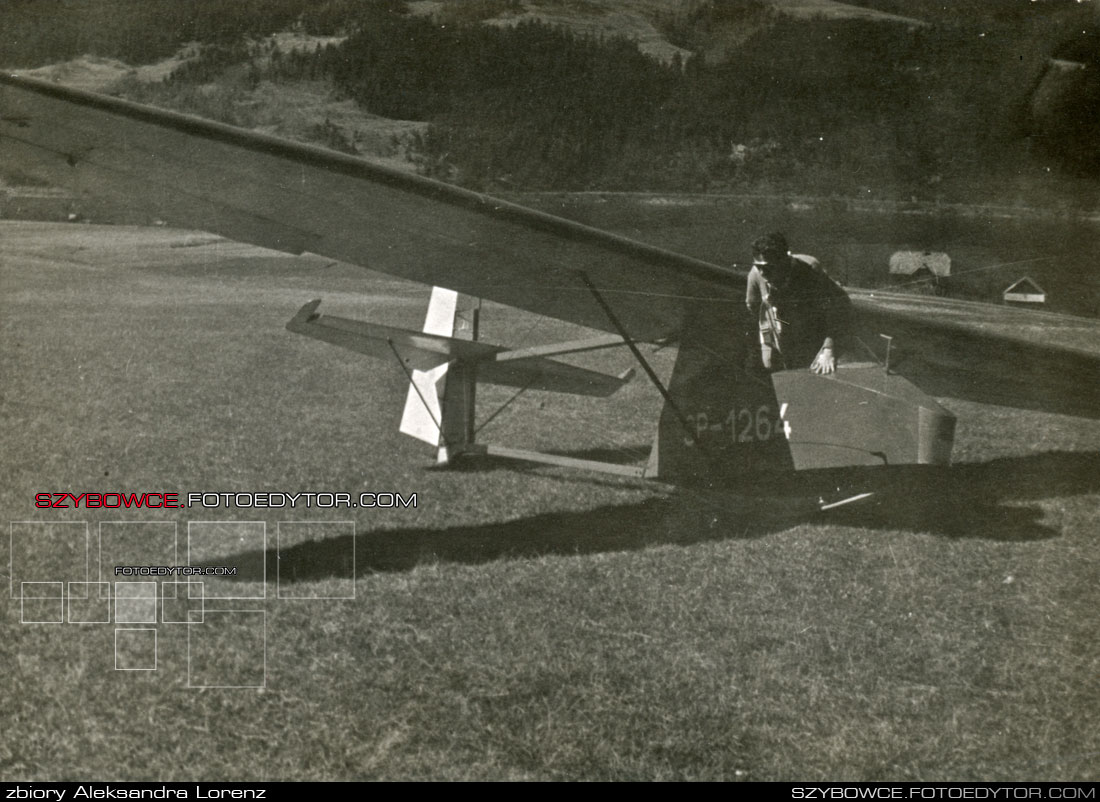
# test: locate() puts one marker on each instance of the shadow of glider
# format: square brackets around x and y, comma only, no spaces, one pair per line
[722,420]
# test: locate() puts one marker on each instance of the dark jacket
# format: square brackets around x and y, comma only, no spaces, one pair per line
[812,309]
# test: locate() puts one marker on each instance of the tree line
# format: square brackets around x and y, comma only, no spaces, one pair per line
[818,106]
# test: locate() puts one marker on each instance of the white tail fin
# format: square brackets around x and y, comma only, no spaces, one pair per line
[423,411]
[431,413]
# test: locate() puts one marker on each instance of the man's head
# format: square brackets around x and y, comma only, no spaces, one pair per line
[770,255]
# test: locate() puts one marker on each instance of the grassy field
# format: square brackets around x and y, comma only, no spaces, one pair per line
[519,622]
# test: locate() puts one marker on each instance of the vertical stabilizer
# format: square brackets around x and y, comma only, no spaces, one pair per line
[727,423]
[439,407]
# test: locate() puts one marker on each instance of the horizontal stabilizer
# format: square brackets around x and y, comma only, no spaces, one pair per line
[538,373]
[417,350]
[420,351]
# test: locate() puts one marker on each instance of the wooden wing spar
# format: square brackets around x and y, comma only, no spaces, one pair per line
[723,417]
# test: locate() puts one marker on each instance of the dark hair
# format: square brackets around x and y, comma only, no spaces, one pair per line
[771,246]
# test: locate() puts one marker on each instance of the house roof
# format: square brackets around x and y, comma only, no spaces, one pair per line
[906,263]
[1025,285]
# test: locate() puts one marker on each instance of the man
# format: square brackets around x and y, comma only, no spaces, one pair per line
[803,313]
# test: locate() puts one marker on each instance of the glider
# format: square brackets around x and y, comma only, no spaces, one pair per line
[722,421]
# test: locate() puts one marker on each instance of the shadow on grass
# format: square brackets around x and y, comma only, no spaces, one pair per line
[987,501]
[982,501]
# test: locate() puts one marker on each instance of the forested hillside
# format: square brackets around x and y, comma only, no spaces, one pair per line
[832,107]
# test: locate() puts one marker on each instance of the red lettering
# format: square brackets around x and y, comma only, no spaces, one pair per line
[111,500]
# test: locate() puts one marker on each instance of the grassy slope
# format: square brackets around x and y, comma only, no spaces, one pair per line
[517,623]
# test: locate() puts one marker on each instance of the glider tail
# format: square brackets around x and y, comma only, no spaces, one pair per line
[439,407]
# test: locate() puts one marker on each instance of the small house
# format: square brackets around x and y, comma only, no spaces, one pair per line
[1025,291]
[921,270]
[920,263]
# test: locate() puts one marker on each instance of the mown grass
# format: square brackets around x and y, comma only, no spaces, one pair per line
[520,622]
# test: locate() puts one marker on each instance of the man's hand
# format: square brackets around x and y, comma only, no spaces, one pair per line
[824,362]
